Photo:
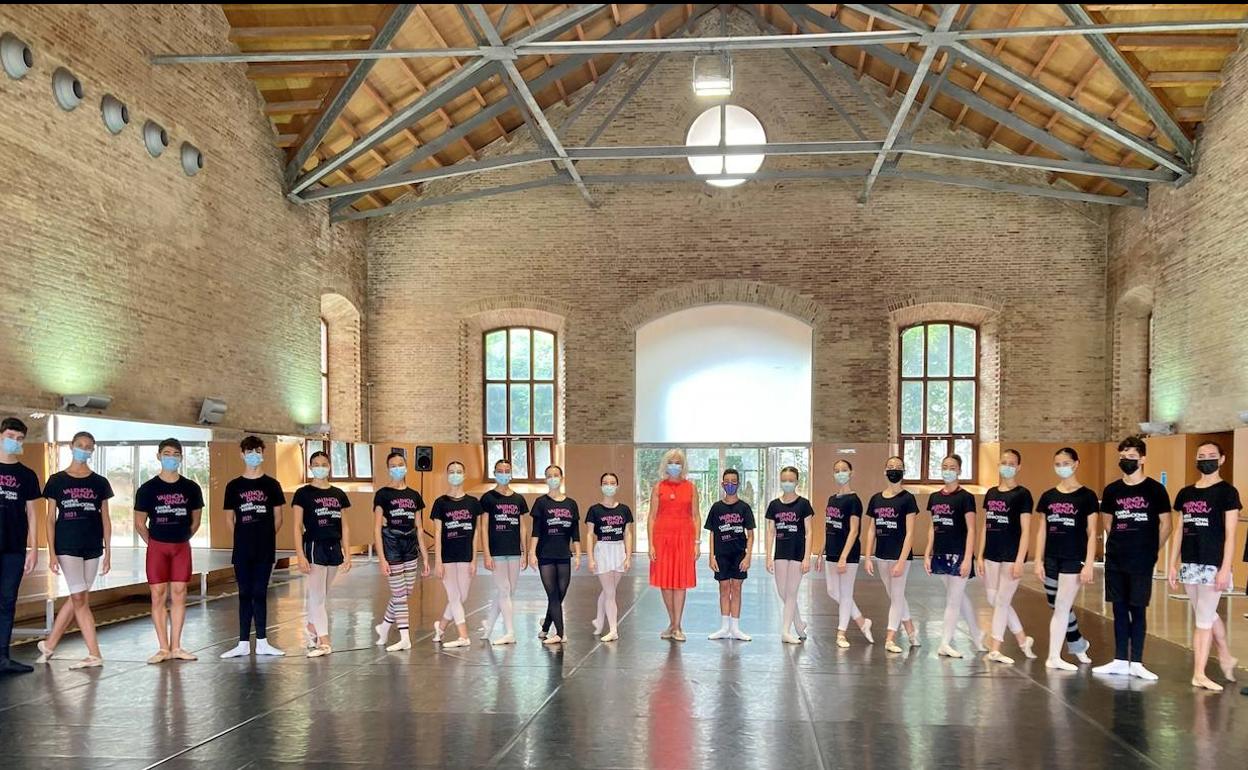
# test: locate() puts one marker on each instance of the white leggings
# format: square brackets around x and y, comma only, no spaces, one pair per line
[1204,601]
[895,587]
[79,573]
[317,593]
[1067,587]
[841,590]
[958,602]
[1001,588]
[608,608]
[456,580]
[506,573]
[788,583]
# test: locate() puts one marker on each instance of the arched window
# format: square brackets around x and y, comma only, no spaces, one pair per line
[520,400]
[938,390]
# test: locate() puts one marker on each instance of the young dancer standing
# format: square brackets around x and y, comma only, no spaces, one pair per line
[610,548]
[457,519]
[321,538]
[556,547]
[1003,554]
[890,537]
[400,541]
[507,530]
[788,547]
[951,550]
[841,552]
[730,524]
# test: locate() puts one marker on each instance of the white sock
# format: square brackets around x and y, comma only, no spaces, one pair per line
[241,649]
[734,624]
[725,622]
[264,648]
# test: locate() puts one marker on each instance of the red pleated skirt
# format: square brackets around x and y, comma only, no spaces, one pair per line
[673,565]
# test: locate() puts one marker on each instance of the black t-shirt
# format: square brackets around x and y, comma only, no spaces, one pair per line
[254,503]
[890,521]
[18,485]
[1204,521]
[168,507]
[729,523]
[1134,536]
[322,512]
[609,523]
[949,520]
[399,508]
[556,524]
[1066,522]
[459,527]
[789,520]
[79,512]
[502,521]
[1003,524]
[837,515]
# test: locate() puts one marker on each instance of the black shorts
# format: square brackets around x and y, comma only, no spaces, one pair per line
[1053,566]
[950,564]
[399,547]
[729,566]
[1132,588]
[327,553]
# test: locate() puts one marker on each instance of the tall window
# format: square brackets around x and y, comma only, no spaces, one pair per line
[324,371]
[520,400]
[939,388]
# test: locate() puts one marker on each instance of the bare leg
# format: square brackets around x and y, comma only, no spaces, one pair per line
[177,613]
[160,614]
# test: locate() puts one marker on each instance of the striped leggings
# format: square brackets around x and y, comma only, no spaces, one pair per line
[402,579]
[1075,642]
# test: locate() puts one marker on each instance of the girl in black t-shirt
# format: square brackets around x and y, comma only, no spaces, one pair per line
[556,539]
[1210,511]
[890,536]
[839,560]
[505,534]
[788,548]
[950,552]
[456,523]
[321,539]
[609,526]
[1003,554]
[400,541]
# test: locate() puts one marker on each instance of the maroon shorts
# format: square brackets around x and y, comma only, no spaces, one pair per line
[168,562]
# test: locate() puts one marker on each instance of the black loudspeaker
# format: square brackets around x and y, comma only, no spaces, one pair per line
[424,459]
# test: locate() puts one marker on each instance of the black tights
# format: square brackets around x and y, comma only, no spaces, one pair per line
[1129,630]
[253,594]
[556,577]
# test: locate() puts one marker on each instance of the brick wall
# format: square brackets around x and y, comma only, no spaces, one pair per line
[118,274]
[1038,263]
[1185,258]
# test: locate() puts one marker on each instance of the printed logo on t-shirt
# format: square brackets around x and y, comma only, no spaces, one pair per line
[942,515]
[835,517]
[786,524]
[731,526]
[328,509]
[1061,516]
[170,506]
[254,505]
[459,523]
[1196,515]
[77,503]
[10,487]
[403,508]
[558,520]
[1130,514]
[506,517]
[611,524]
[887,518]
[997,514]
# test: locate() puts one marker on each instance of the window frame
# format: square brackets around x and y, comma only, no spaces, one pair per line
[325,445]
[325,416]
[531,438]
[925,438]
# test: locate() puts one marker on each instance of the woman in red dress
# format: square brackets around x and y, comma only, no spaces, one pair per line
[673,524]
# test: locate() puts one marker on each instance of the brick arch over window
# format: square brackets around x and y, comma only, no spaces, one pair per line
[342,320]
[725,291]
[969,308]
[1131,336]
[493,313]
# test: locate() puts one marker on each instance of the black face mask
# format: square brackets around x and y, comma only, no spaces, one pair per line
[1206,466]
[894,475]
[1129,466]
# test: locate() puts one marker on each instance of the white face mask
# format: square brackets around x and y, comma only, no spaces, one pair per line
[842,477]
[949,476]
[455,479]
[1064,471]
[1008,471]
[553,483]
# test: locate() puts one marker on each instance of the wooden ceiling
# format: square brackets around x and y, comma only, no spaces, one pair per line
[1182,70]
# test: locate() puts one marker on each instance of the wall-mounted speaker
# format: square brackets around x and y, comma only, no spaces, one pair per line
[424,459]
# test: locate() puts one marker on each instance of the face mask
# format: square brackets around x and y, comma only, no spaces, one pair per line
[673,469]
[1207,466]
[1008,471]
[170,464]
[730,488]
[319,472]
[788,487]
[12,446]
[398,472]
[455,479]
[609,490]
[1128,466]
[949,476]
[1064,471]
[81,455]
[894,475]
[554,483]
[502,479]
[253,459]
[842,477]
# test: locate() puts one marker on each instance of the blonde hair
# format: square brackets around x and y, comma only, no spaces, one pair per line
[674,455]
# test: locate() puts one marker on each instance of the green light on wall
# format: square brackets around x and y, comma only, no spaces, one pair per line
[72,342]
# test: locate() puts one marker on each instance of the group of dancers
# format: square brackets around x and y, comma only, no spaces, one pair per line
[1135,512]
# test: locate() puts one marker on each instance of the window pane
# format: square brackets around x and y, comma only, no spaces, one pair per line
[964,407]
[963,351]
[544,409]
[937,450]
[312,447]
[496,355]
[543,356]
[520,408]
[938,350]
[338,459]
[324,348]
[912,352]
[495,409]
[911,407]
[520,354]
[912,453]
[520,460]
[541,455]
[363,456]
[965,449]
[938,407]
[324,398]
[493,453]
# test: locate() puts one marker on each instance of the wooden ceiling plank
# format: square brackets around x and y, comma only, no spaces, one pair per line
[1018,97]
[299,70]
[862,55]
[441,112]
[428,22]
[1184,79]
[335,32]
[589,63]
[1176,42]
[1056,116]
[563,93]
[996,52]
[295,107]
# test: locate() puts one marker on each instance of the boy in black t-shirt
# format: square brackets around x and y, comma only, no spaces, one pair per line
[19,489]
[730,523]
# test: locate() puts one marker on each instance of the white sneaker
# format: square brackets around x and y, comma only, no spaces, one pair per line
[1138,671]
[1115,667]
[740,635]
[264,648]
[460,642]
[238,651]
[383,633]
[722,633]
[504,639]
[1026,647]
[997,657]
[948,652]
[1060,665]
